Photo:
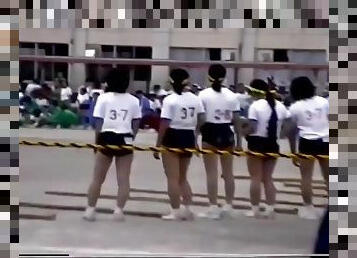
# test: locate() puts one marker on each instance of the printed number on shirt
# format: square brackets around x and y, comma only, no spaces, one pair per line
[219,114]
[115,114]
[190,112]
[317,114]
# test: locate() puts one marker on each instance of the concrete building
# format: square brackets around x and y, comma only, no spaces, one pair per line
[308,46]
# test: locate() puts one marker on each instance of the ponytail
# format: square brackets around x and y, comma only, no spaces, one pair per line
[270,98]
[216,83]
[179,80]
[216,75]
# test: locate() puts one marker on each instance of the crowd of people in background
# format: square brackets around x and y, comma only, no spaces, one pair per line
[57,105]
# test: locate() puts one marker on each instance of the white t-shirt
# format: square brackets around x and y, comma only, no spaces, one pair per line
[260,111]
[219,106]
[31,87]
[83,98]
[311,117]
[118,110]
[66,93]
[182,110]
[92,91]
[244,99]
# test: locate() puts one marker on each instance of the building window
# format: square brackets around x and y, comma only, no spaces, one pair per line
[280,55]
[125,52]
[215,54]
[61,50]
[27,70]
[143,52]
[45,49]
[107,51]
[27,48]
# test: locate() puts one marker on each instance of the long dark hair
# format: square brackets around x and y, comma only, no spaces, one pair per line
[118,80]
[216,75]
[179,79]
[269,97]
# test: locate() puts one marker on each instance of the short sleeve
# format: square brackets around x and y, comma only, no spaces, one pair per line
[137,110]
[252,112]
[167,109]
[99,108]
[235,104]
[326,106]
[293,111]
[201,108]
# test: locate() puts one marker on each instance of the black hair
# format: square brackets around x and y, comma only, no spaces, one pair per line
[302,88]
[118,80]
[263,86]
[157,87]
[269,97]
[177,79]
[36,81]
[97,84]
[216,74]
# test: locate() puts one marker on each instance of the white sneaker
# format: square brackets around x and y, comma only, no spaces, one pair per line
[89,214]
[214,212]
[307,212]
[228,211]
[187,214]
[175,214]
[254,212]
[269,212]
[118,215]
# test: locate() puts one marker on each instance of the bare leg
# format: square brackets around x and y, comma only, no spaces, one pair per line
[186,191]
[324,165]
[227,171]
[306,168]
[102,164]
[123,167]
[255,168]
[269,187]
[211,165]
[171,166]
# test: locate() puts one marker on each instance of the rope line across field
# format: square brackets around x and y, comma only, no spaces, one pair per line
[174,150]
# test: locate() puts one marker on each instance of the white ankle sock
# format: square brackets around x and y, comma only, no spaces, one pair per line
[255,208]
[90,209]
[269,208]
[118,210]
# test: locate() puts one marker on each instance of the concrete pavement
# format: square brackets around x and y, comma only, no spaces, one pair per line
[70,170]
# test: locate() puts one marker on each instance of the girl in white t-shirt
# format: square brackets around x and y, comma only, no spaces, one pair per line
[310,123]
[117,115]
[180,115]
[266,116]
[222,108]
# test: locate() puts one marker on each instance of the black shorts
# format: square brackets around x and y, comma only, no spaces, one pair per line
[110,138]
[179,138]
[220,136]
[313,147]
[262,144]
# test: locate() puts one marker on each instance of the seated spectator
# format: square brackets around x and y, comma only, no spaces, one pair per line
[66,92]
[61,117]
[32,86]
[97,88]
[158,91]
[83,101]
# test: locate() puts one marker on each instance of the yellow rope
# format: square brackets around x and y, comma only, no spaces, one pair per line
[175,150]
